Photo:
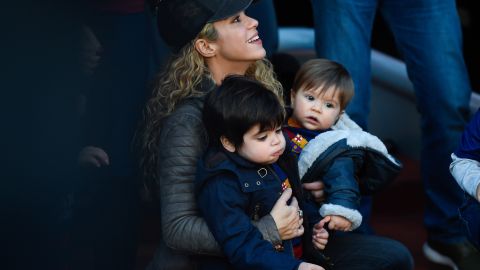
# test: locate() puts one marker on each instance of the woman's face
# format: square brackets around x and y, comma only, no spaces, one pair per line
[238,39]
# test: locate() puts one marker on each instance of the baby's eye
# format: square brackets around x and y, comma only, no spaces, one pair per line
[329,105]
[309,97]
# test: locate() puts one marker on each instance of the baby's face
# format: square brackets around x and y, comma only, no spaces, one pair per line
[314,110]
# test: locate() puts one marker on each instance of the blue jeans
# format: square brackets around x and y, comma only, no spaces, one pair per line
[469,214]
[350,251]
[428,36]
[359,251]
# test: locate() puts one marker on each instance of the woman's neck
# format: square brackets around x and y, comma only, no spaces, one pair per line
[220,70]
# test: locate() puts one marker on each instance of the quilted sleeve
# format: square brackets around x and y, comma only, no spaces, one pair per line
[182,142]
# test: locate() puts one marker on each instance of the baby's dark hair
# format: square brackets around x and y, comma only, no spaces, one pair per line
[236,106]
[326,74]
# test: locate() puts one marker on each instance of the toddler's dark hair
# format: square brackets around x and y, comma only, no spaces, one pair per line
[238,105]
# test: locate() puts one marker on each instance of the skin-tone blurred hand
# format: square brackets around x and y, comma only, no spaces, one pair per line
[319,234]
[316,188]
[339,223]
[286,217]
[309,266]
[93,156]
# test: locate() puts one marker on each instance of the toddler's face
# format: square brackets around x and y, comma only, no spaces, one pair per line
[262,147]
[314,110]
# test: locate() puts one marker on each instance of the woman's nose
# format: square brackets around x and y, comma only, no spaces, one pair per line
[252,23]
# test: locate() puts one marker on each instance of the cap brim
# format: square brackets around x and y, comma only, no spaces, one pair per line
[230,8]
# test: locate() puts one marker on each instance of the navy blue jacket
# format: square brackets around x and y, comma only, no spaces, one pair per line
[348,160]
[470,144]
[233,191]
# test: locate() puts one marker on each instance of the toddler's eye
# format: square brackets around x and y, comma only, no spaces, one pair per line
[278,131]
[330,105]
[263,138]
[310,98]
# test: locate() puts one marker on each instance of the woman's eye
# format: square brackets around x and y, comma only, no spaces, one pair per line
[278,131]
[237,19]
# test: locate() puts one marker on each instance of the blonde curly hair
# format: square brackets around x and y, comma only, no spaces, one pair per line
[179,81]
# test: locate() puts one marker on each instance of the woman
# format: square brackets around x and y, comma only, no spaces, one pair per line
[211,39]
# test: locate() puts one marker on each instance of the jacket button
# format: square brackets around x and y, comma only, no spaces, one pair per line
[258,183]
[247,185]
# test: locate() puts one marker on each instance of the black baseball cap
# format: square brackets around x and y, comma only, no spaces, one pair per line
[180,21]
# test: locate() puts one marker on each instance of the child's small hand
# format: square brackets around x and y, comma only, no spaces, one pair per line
[93,156]
[319,234]
[339,223]
[309,266]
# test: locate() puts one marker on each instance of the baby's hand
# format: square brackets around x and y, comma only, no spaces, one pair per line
[319,234]
[93,156]
[309,266]
[339,223]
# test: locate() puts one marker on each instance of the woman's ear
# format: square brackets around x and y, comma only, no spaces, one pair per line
[227,144]
[204,47]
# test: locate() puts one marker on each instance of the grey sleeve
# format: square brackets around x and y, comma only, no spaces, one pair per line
[268,228]
[181,144]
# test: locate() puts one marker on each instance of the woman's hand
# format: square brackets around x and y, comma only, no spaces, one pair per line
[309,266]
[316,188]
[287,218]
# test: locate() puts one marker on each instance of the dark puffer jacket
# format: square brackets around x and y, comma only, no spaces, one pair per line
[184,233]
